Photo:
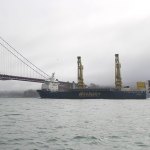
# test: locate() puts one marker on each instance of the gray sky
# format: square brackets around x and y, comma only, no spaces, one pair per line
[52,33]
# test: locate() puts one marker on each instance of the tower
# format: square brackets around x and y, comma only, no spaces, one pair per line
[80,73]
[118,80]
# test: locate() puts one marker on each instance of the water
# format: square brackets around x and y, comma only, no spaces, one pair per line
[40,124]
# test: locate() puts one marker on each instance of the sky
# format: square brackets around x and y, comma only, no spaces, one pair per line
[52,33]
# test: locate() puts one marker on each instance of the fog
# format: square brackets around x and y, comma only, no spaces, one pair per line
[51,34]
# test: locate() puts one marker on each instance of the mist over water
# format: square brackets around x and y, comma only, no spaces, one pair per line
[29,124]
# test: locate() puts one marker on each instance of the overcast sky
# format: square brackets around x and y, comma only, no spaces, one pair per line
[52,33]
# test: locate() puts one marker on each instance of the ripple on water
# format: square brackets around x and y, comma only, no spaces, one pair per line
[114,137]
[79,137]
[12,115]
[88,138]
[52,140]
[60,127]
[2,143]
[19,139]
[86,121]
[141,144]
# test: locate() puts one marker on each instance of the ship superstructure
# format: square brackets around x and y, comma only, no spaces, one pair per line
[50,84]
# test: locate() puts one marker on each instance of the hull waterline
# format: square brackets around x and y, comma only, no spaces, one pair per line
[92,94]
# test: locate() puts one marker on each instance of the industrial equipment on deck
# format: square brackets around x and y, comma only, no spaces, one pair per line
[118,80]
[141,85]
[80,83]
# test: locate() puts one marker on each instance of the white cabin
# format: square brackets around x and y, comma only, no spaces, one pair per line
[50,84]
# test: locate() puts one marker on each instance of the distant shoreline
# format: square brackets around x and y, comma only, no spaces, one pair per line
[19,94]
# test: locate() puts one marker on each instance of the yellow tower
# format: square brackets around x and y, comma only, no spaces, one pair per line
[80,73]
[118,80]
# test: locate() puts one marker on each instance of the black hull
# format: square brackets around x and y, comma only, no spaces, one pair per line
[93,94]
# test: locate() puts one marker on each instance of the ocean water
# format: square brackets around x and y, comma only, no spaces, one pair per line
[44,124]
